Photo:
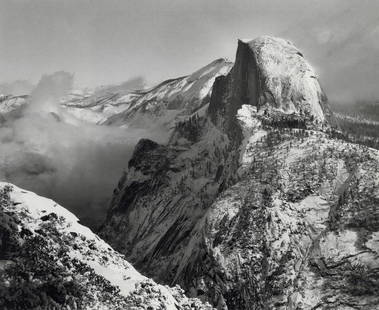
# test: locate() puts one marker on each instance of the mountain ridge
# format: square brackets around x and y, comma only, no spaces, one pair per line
[121,105]
[234,207]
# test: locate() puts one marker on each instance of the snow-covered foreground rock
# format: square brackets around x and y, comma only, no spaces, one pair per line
[257,204]
[50,261]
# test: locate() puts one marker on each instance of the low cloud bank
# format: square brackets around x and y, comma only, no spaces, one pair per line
[50,152]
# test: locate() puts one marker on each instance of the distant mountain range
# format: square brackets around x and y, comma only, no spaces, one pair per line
[123,105]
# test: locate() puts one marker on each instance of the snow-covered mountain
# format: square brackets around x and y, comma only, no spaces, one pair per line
[256,203]
[173,99]
[73,147]
[163,104]
[50,261]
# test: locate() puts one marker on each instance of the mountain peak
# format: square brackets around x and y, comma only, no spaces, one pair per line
[273,75]
[254,205]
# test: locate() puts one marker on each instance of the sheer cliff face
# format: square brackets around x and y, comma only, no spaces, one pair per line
[232,91]
[255,205]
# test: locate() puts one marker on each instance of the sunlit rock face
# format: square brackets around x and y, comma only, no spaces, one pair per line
[286,81]
[256,204]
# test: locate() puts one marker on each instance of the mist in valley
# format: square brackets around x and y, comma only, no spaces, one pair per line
[52,153]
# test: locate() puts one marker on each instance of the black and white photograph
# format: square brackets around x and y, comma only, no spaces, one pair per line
[189,155]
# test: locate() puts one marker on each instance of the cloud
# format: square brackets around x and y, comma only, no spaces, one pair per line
[19,87]
[75,163]
[108,41]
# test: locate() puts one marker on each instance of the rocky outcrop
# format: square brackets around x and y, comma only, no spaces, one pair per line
[49,261]
[287,235]
[255,204]
[11,106]
[166,191]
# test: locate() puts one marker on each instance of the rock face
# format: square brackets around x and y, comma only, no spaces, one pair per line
[257,204]
[49,261]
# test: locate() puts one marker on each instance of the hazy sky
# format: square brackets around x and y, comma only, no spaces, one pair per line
[109,41]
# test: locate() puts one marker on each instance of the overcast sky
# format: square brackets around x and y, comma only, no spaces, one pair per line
[109,41]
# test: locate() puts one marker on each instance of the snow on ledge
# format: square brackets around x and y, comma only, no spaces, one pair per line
[115,268]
